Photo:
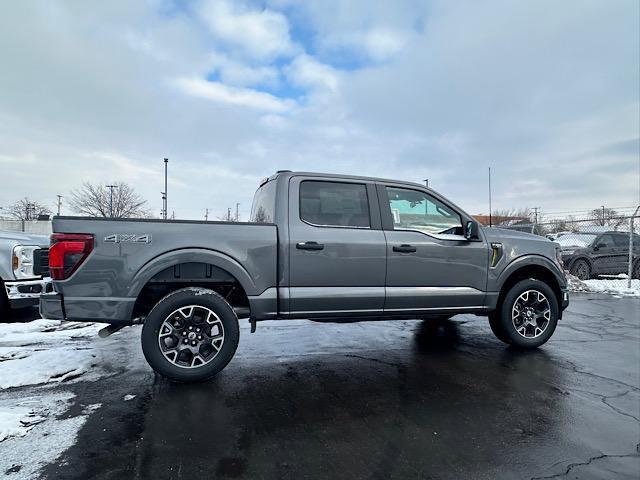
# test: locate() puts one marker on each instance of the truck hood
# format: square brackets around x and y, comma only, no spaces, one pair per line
[25,238]
[500,234]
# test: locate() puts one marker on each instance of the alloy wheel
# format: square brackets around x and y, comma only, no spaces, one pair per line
[531,314]
[191,336]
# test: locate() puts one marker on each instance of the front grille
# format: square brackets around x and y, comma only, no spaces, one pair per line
[41,262]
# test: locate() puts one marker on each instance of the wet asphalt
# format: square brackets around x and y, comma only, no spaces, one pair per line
[377,400]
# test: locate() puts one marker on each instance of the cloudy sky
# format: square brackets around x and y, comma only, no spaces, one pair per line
[544,92]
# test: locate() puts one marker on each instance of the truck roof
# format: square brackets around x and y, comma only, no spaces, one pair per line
[290,173]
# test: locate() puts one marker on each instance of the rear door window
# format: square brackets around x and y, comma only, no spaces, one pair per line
[621,240]
[334,204]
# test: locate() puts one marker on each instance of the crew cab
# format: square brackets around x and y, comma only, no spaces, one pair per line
[317,246]
[24,271]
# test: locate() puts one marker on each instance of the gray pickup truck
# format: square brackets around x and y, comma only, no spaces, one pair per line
[318,246]
[24,270]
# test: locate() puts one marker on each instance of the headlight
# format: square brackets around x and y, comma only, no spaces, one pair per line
[22,261]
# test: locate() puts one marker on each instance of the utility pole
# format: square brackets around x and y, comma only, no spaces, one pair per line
[237,206]
[535,212]
[166,194]
[426,182]
[603,215]
[59,203]
[206,215]
[229,214]
[111,187]
[165,203]
[490,219]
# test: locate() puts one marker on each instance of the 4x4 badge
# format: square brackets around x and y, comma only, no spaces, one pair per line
[127,238]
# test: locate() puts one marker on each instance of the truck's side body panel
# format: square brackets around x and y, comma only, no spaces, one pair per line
[128,253]
[347,275]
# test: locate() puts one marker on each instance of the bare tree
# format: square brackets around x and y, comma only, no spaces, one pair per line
[120,201]
[604,216]
[27,209]
[513,215]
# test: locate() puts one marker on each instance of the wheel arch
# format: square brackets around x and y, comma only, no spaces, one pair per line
[190,267]
[536,268]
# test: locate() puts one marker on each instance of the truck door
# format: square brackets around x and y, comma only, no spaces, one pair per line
[430,264]
[337,250]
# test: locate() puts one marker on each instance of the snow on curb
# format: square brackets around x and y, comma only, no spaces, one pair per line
[617,286]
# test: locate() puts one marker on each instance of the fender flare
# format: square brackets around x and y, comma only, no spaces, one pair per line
[191,255]
[527,261]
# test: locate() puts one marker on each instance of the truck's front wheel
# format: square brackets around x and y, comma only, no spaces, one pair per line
[190,335]
[528,314]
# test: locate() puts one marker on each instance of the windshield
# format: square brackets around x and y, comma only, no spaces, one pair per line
[575,240]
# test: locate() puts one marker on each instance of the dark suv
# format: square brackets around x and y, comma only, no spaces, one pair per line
[588,255]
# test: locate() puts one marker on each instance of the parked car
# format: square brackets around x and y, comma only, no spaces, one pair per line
[24,270]
[318,246]
[588,255]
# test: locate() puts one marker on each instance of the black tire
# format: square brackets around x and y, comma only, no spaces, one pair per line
[495,323]
[177,369]
[508,324]
[581,269]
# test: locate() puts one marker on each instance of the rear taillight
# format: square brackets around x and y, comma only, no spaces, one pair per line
[67,252]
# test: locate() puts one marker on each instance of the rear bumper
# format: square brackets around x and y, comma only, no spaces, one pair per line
[25,293]
[51,307]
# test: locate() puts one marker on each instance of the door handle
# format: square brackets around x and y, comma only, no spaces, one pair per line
[404,248]
[309,246]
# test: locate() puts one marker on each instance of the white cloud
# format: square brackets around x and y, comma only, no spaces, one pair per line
[305,71]
[377,44]
[242,74]
[259,34]
[245,97]
[105,91]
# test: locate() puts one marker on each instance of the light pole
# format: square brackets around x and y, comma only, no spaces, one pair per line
[237,206]
[59,203]
[490,219]
[111,187]
[426,182]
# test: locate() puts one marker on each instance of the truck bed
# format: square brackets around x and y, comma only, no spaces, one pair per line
[127,252]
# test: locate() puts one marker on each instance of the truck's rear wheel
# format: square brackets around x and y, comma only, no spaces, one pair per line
[190,335]
[529,314]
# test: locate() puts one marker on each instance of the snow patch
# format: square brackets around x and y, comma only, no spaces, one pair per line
[616,287]
[41,431]
[128,397]
[17,421]
[45,351]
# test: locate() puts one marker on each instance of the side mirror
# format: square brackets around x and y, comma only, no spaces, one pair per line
[471,230]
